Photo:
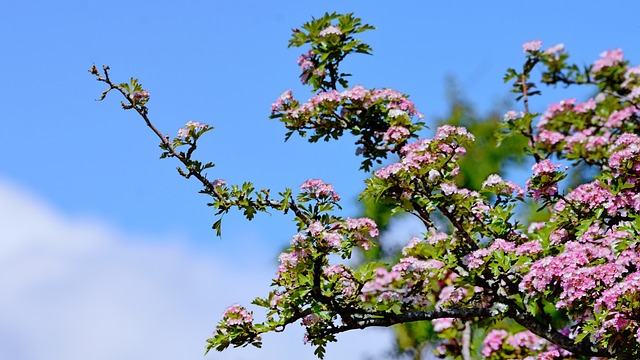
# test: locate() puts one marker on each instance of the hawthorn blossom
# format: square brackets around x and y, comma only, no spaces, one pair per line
[196,125]
[501,187]
[218,183]
[394,113]
[617,117]
[530,46]
[607,59]
[544,167]
[330,30]
[140,95]
[627,147]
[395,134]
[442,324]
[237,315]
[382,280]
[284,98]
[191,125]
[315,228]
[512,115]
[305,62]
[584,107]
[555,109]
[319,189]
[493,342]
[183,133]
[363,224]
[554,49]
[526,340]
[549,137]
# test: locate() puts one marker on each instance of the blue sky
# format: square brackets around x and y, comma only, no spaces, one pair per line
[85,197]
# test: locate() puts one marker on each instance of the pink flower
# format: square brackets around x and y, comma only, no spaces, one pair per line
[512,115]
[441,324]
[319,189]
[237,315]
[607,59]
[549,137]
[363,224]
[586,106]
[218,183]
[544,167]
[493,341]
[196,125]
[330,30]
[533,45]
[315,228]
[554,49]
[617,117]
[282,99]
[395,134]
[141,95]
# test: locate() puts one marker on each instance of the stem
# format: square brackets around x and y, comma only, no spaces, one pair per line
[166,144]
[466,341]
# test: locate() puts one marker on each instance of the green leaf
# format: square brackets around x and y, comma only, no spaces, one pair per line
[217,227]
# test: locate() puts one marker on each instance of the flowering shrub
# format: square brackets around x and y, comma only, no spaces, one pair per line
[571,284]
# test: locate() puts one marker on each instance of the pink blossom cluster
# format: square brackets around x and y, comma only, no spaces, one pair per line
[426,153]
[140,95]
[493,341]
[530,46]
[587,140]
[413,266]
[405,281]
[556,109]
[237,315]
[451,294]
[549,137]
[330,30]
[283,99]
[609,298]
[218,183]
[595,194]
[608,58]
[512,115]
[627,147]
[555,49]
[358,95]
[396,134]
[502,187]
[342,277]
[439,325]
[578,270]
[526,340]
[382,281]
[522,343]
[189,126]
[445,132]
[544,173]
[331,237]
[288,263]
[617,117]
[584,107]
[320,190]
[363,225]
[478,257]
[360,229]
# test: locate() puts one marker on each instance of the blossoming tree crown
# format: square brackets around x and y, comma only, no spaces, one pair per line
[567,287]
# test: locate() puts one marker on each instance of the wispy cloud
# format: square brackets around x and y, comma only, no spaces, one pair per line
[76,289]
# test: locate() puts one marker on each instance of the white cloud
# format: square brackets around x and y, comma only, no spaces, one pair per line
[76,289]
